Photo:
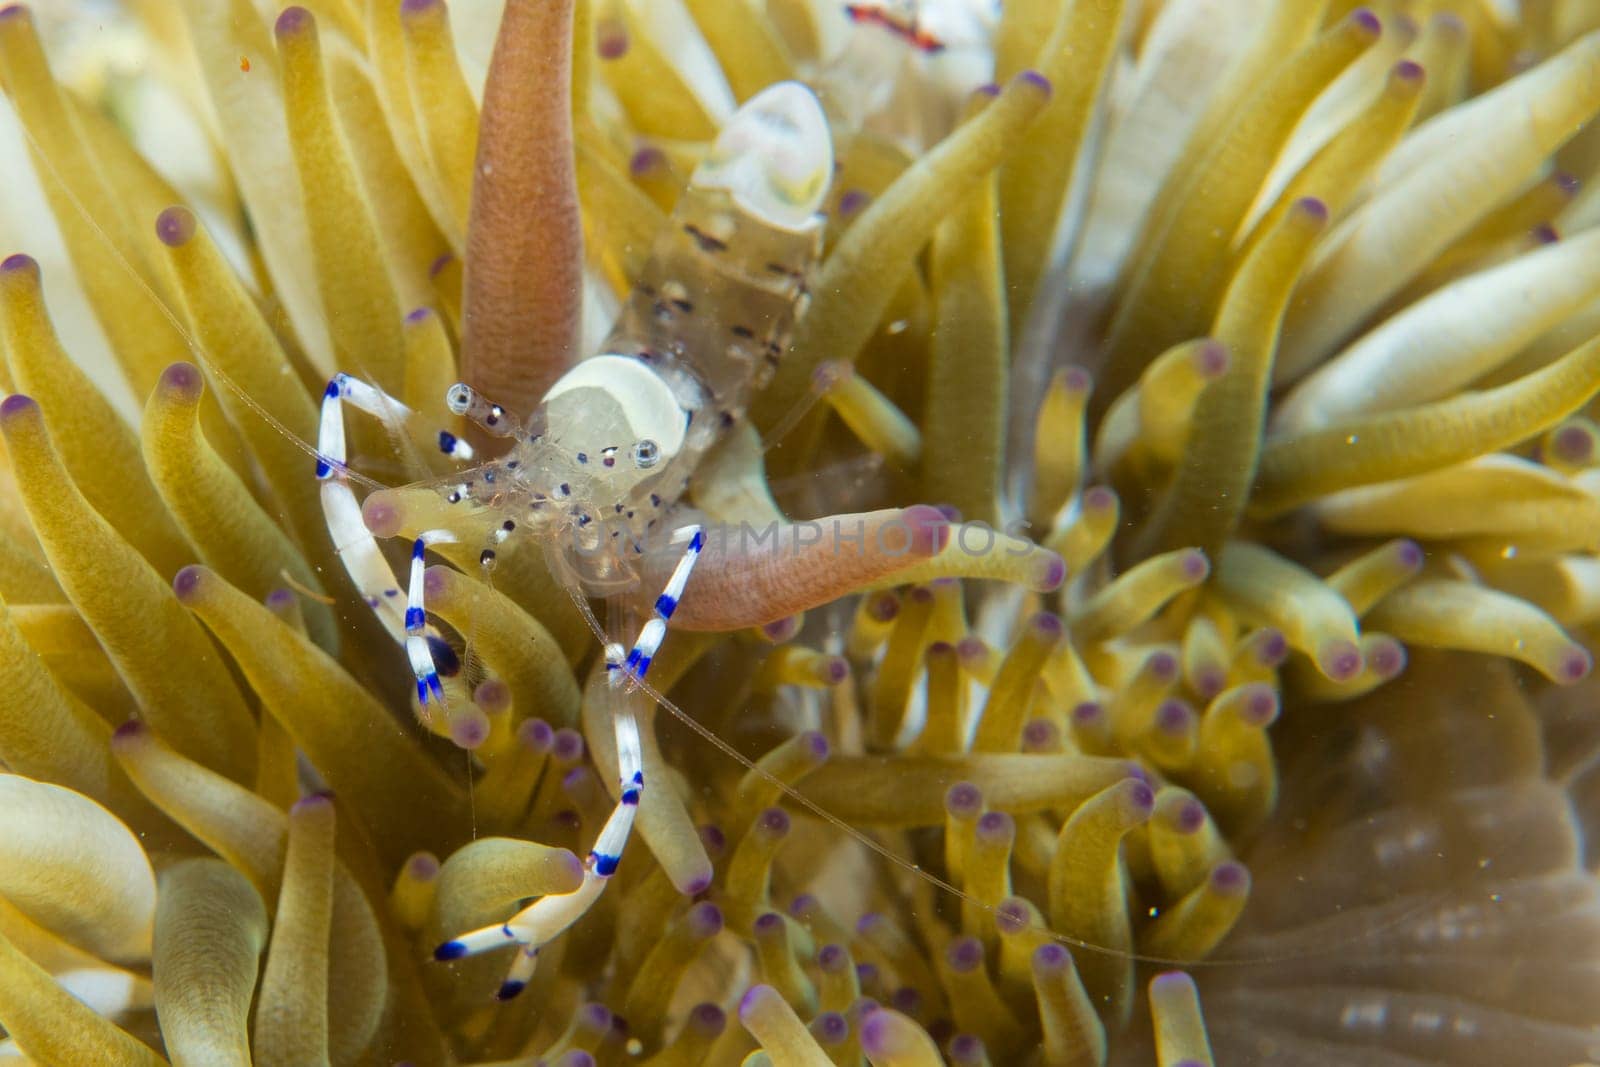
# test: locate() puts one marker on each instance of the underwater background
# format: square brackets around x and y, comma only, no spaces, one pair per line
[1235,707]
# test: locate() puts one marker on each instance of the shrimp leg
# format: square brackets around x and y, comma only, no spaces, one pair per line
[543,920]
[357,547]
[351,538]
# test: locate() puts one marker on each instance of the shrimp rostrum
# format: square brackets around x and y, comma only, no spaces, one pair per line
[597,473]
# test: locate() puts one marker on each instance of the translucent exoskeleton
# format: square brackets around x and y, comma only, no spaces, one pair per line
[902,19]
[906,73]
[596,474]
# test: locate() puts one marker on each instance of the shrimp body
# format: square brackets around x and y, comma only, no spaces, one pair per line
[602,463]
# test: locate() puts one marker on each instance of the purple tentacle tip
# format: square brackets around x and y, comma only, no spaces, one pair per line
[175,226]
[293,20]
[1367,20]
[536,734]
[1387,658]
[1212,359]
[1190,816]
[312,802]
[568,747]
[1271,648]
[611,40]
[774,822]
[19,262]
[1408,70]
[128,731]
[1050,957]
[1037,80]
[1170,978]
[1099,498]
[830,1028]
[967,1048]
[964,799]
[469,733]
[1046,624]
[187,581]
[1340,660]
[1052,574]
[996,826]
[17,404]
[816,745]
[1573,443]
[1209,681]
[647,160]
[1575,665]
[1409,554]
[782,629]
[964,954]
[1039,734]
[1261,705]
[1163,665]
[1229,879]
[1174,716]
[753,998]
[1312,208]
[708,1019]
[417,7]
[1012,915]
[595,1017]
[12,11]
[182,378]
[418,315]
[705,920]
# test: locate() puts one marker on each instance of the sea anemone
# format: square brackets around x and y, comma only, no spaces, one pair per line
[1197,397]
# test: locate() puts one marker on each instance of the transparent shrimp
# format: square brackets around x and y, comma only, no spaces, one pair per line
[596,474]
[906,69]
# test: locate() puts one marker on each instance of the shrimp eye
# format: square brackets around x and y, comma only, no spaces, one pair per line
[646,454]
